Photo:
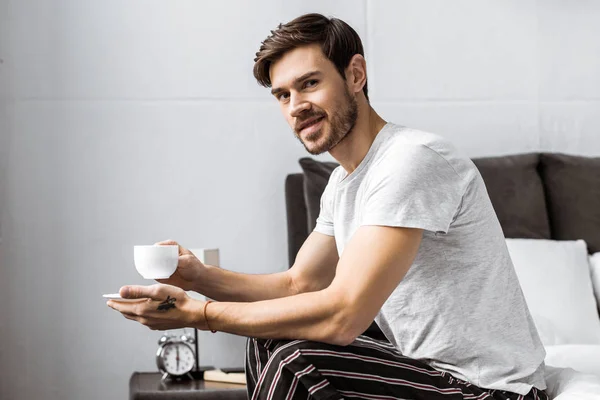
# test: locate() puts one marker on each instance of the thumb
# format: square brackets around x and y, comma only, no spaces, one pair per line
[138,292]
[180,249]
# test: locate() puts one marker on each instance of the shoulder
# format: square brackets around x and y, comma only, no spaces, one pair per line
[334,179]
[336,176]
[413,148]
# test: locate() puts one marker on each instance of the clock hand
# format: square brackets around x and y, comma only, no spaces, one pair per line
[177,357]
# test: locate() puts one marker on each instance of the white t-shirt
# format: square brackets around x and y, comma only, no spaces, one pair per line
[460,307]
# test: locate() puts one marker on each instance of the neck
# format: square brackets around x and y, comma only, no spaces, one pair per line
[354,147]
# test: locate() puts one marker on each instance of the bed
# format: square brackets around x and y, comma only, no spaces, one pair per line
[548,205]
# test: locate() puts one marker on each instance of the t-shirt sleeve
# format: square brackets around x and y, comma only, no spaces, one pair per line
[324,223]
[417,188]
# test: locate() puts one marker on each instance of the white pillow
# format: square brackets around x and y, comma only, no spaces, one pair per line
[556,282]
[595,271]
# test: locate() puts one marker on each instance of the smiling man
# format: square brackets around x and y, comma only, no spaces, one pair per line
[406,235]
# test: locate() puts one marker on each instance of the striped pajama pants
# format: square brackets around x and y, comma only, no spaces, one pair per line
[366,369]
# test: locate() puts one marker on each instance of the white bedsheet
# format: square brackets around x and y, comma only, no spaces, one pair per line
[573,372]
[568,384]
[580,357]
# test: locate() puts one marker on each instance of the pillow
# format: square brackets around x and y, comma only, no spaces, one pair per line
[572,186]
[316,176]
[595,273]
[545,327]
[555,279]
[517,194]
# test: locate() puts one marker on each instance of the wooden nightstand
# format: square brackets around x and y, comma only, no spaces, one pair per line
[148,386]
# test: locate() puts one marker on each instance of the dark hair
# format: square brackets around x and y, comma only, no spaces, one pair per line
[339,43]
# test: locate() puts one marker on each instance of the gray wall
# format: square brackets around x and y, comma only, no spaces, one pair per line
[137,121]
[5,95]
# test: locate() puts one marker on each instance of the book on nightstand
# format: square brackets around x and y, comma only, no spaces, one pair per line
[229,375]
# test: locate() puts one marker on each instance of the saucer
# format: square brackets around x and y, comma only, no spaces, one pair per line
[117,297]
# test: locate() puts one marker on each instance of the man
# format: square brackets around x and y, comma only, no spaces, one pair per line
[406,236]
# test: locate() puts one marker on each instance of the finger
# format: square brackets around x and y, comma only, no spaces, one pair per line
[164,282]
[140,320]
[140,292]
[130,317]
[122,308]
[167,243]
[126,313]
[113,305]
[182,250]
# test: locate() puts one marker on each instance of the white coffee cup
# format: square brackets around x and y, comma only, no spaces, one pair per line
[156,261]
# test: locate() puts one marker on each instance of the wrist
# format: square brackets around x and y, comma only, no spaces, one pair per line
[201,277]
[195,314]
[204,277]
[206,317]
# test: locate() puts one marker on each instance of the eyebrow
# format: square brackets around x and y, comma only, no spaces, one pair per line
[301,78]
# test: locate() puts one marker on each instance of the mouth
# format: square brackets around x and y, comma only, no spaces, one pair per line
[311,125]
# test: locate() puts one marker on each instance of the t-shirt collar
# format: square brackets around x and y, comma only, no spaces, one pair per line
[367,159]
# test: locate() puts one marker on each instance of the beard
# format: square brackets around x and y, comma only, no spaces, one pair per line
[341,122]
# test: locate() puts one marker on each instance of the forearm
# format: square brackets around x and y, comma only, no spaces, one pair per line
[224,285]
[319,316]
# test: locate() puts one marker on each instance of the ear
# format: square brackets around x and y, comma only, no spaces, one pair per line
[356,73]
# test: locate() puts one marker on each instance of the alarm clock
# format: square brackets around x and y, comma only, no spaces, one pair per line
[175,357]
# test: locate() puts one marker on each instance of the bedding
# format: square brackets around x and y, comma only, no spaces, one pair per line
[556,281]
[595,273]
[580,357]
[568,384]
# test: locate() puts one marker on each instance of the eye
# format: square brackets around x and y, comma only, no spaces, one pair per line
[310,83]
[283,96]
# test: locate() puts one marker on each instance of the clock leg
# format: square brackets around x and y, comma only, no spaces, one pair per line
[197,355]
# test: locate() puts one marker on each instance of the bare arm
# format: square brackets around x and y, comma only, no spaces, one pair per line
[313,269]
[373,263]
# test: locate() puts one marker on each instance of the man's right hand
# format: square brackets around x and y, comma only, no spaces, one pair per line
[189,269]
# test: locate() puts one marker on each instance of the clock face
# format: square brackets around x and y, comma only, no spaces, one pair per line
[178,358]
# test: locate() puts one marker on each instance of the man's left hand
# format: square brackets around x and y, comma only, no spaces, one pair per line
[160,307]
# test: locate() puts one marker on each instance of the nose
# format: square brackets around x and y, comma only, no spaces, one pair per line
[298,105]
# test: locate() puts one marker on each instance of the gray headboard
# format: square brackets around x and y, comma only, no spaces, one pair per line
[297,217]
[535,195]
